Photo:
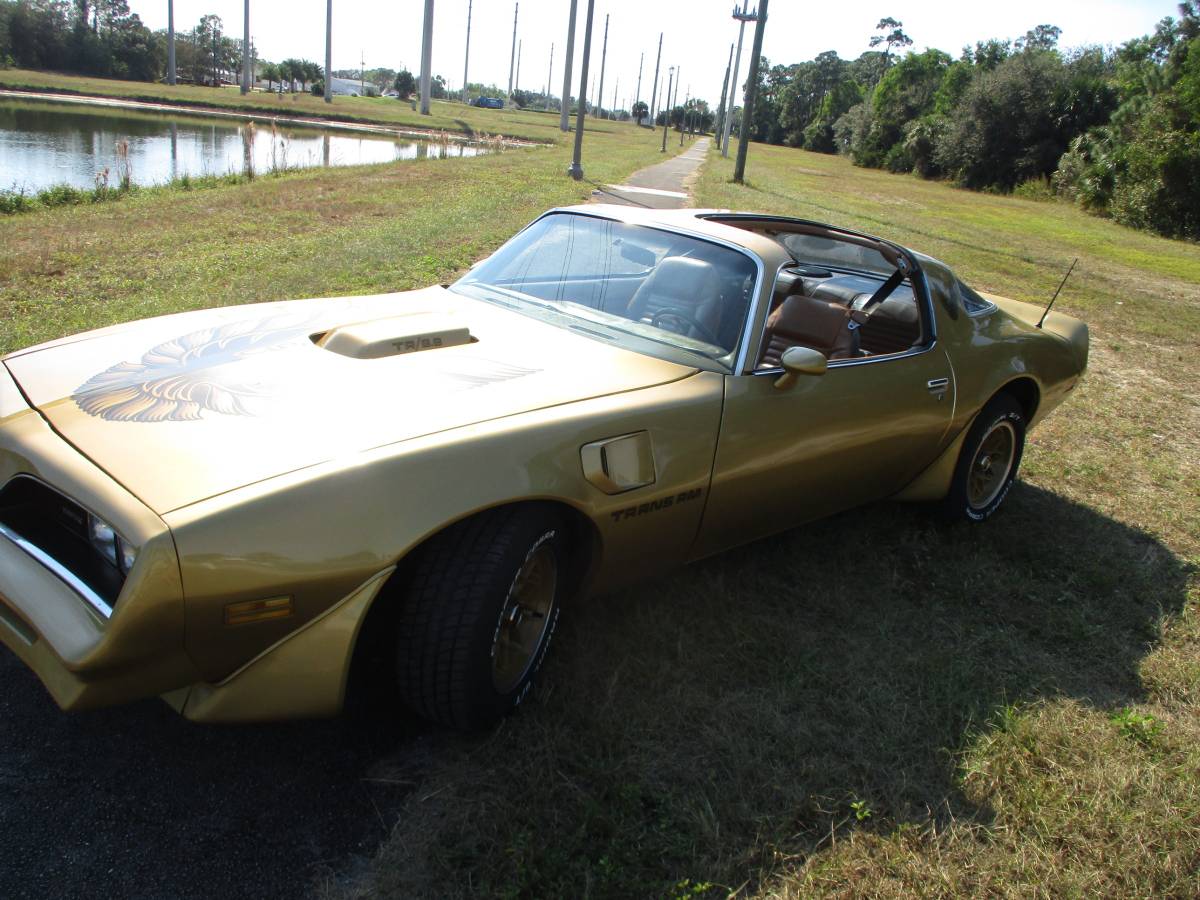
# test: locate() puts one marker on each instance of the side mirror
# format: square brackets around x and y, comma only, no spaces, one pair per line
[797,361]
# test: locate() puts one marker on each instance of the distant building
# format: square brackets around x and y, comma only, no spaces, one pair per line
[349,87]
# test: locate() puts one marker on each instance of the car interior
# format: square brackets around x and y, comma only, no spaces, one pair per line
[847,296]
[676,283]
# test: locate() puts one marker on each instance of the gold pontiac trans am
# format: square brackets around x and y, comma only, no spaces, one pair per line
[228,507]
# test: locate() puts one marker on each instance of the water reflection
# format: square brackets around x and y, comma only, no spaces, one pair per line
[44,144]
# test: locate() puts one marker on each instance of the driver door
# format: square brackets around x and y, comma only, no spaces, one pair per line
[856,434]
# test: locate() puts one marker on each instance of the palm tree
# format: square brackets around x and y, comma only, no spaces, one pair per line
[312,72]
[291,70]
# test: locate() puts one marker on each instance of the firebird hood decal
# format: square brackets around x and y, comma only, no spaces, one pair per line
[173,381]
[181,408]
[180,379]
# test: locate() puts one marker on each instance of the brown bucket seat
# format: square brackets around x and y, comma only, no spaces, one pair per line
[803,321]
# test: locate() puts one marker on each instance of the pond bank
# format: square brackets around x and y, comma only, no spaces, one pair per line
[258,115]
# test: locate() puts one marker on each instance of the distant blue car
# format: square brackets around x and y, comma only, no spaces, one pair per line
[490,102]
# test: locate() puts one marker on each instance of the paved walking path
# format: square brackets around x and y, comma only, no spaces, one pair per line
[662,186]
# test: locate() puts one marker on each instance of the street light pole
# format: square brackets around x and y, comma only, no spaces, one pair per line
[426,57]
[654,90]
[667,112]
[550,76]
[739,168]
[170,41]
[743,17]
[724,93]
[512,57]
[246,51]
[576,170]
[565,106]
[638,98]
[328,51]
[603,59]
[683,122]
[467,52]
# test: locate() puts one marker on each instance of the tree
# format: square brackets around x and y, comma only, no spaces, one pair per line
[892,36]
[1043,37]
[640,111]
[405,84]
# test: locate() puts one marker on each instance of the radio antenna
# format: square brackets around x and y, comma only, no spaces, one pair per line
[1056,293]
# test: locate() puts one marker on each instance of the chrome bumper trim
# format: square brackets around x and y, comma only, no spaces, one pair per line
[60,571]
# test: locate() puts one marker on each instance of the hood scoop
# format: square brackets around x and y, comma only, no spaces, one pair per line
[394,336]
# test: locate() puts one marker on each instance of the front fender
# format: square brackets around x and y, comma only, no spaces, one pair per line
[318,534]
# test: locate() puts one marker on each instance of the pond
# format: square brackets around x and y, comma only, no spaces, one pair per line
[44,143]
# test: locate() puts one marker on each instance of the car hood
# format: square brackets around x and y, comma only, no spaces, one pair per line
[184,407]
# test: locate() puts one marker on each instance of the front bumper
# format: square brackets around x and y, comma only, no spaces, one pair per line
[84,658]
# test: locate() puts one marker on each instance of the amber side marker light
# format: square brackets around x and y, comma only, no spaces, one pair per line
[248,611]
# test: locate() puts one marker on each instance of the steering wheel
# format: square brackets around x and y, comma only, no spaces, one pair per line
[680,315]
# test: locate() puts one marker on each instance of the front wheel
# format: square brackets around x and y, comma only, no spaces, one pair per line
[988,463]
[479,615]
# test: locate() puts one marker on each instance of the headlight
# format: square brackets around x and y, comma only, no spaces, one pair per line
[111,545]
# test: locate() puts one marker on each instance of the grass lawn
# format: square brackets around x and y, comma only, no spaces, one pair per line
[448,116]
[871,705]
[876,704]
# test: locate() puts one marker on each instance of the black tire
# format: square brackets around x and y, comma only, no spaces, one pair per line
[467,648]
[980,481]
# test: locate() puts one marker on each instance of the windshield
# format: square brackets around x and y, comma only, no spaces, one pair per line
[650,290]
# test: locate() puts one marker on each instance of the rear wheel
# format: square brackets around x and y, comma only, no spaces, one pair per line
[988,463]
[479,615]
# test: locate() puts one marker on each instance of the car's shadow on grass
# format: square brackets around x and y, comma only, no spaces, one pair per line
[138,802]
[690,727]
[736,712]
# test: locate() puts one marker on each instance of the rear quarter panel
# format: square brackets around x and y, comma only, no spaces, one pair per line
[995,348]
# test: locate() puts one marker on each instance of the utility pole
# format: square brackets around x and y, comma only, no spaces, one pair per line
[720,120]
[654,90]
[328,51]
[564,110]
[683,122]
[467,52]
[576,170]
[678,84]
[616,88]
[667,115]
[520,47]
[638,98]
[362,73]
[742,17]
[170,41]
[603,57]
[426,57]
[739,168]
[512,56]
[246,51]
[550,76]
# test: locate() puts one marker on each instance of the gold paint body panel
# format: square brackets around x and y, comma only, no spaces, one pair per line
[280,469]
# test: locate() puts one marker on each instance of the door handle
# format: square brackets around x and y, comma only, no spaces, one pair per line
[938,387]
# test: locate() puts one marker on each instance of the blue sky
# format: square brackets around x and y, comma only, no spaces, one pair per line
[697,32]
